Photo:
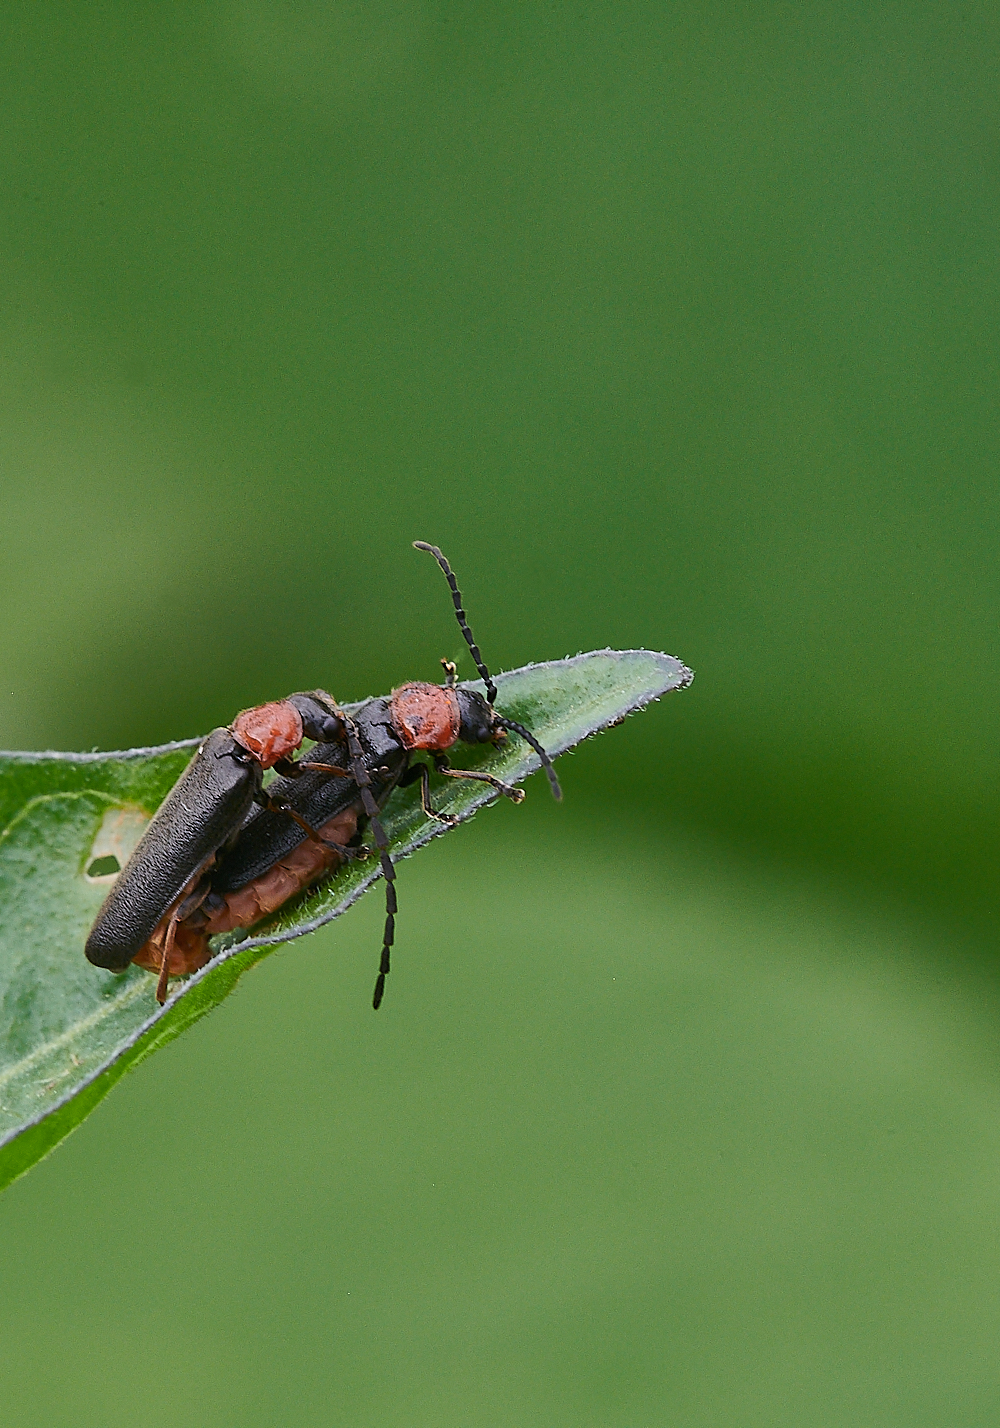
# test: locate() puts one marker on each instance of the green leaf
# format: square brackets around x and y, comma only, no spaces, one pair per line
[68,1030]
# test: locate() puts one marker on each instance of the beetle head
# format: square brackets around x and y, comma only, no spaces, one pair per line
[320,721]
[478,723]
[472,719]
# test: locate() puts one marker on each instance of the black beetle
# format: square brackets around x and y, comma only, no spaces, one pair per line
[204,866]
[273,857]
[202,813]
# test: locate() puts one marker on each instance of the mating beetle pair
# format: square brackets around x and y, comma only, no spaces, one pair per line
[224,851]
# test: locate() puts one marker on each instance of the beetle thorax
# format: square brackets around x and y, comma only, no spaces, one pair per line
[270,732]
[425,716]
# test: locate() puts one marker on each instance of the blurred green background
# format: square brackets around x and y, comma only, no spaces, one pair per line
[674,325]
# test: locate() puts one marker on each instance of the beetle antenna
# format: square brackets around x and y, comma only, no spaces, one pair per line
[463,624]
[491,689]
[529,738]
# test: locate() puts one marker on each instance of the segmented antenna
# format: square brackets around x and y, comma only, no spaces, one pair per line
[529,738]
[456,595]
[491,689]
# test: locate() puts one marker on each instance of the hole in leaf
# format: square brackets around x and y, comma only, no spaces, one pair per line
[120,830]
[101,867]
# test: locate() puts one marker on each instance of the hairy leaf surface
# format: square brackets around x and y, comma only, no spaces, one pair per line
[68,1030]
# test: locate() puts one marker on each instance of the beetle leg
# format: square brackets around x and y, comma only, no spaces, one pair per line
[291,768]
[420,771]
[425,798]
[194,900]
[349,855]
[168,947]
[516,795]
[274,807]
